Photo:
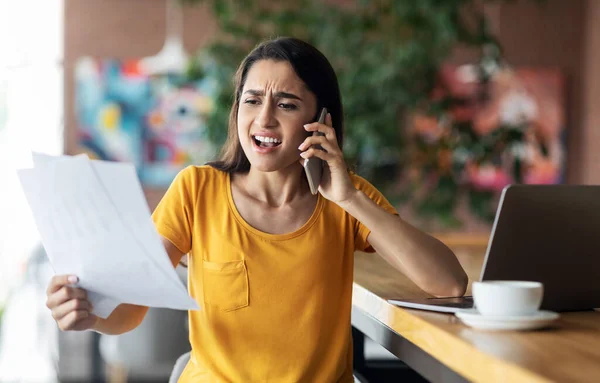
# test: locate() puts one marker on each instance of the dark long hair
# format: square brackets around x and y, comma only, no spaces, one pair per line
[311,66]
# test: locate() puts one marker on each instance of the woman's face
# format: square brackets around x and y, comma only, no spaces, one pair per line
[274,105]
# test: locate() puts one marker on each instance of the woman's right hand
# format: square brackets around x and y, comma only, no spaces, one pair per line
[69,305]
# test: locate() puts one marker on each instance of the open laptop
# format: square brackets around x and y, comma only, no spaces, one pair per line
[545,233]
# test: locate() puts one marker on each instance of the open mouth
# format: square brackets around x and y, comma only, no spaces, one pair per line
[266,142]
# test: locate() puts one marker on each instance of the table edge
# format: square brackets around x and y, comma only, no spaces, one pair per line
[496,370]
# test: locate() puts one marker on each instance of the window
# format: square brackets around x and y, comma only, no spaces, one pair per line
[31,119]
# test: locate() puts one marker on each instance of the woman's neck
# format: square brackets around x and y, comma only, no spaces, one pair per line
[275,188]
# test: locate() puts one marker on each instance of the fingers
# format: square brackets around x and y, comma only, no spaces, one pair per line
[69,305]
[64,309]
[331,152]
[59,281]
[320,140]
[76,320]
[329,123]
[323,128]
[325,156]
[63,295]
[327,142]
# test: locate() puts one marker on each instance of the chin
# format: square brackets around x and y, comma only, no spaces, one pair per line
[272,165]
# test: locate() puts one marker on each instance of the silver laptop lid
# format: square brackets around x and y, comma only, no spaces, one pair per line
[550,234]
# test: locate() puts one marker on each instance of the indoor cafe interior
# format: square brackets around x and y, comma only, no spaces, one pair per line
[451,236]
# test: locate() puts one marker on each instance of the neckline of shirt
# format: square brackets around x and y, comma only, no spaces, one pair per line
[268,236]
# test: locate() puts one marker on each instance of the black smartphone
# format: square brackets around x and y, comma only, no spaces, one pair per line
[313,167]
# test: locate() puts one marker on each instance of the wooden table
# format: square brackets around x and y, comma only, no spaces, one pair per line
[441,348]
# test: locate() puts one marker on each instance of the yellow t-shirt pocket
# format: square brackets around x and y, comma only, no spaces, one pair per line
[225,284]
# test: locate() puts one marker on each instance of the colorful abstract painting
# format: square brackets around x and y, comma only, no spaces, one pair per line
[155,122]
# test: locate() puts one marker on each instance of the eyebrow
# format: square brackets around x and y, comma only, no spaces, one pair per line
[255,92]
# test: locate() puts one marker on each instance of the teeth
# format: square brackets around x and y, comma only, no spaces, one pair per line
[268,139]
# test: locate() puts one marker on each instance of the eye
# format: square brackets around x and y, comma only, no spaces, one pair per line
[287,106]
[251,101]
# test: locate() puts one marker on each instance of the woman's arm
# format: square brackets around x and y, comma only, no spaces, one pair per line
[126,317]
[424,259]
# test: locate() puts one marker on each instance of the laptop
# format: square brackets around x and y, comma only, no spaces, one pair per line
[545,233]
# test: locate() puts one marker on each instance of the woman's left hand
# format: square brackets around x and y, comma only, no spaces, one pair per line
[335,185]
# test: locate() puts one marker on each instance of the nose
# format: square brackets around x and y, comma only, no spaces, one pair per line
[266,116]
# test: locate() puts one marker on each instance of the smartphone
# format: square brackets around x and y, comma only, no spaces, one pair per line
[313,167]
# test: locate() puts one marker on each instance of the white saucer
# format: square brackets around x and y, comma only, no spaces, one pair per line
[535,321]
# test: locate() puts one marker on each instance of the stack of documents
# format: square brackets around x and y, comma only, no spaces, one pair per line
[95,223]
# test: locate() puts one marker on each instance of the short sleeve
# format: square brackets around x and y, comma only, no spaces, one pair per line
[173,217]
[361,232]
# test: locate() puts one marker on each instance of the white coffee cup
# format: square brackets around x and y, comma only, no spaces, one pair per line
[504,298]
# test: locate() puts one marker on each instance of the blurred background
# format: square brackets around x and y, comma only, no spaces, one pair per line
[446,102]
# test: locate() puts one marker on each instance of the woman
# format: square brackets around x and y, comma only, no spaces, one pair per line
[271,264]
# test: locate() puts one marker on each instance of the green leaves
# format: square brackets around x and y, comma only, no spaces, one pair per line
[480,203]
[386,53]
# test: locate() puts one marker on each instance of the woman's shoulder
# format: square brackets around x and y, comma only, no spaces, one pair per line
[194,178]
[361,183]
[198,174]
[372,192]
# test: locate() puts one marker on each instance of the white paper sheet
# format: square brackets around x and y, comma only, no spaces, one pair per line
[95,223]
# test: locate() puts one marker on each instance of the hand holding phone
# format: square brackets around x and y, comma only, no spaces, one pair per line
[313,166]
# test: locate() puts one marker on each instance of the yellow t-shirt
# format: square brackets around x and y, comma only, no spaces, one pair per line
[274,307]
